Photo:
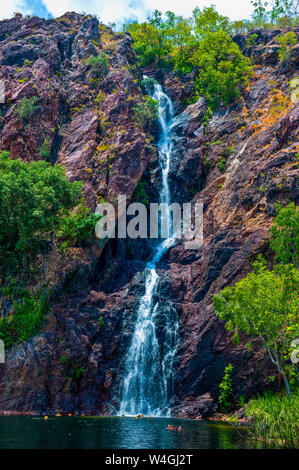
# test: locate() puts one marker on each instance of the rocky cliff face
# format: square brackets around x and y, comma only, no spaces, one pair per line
[239,166]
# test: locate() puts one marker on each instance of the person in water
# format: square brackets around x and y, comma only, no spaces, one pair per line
[174,428]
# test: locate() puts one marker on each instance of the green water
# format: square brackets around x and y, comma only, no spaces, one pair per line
[26,432]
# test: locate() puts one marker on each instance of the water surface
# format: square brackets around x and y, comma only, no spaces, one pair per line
[27,432]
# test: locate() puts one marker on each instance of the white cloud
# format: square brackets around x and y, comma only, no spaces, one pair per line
[234,9]
[7,9]
[113,10]
[107,10]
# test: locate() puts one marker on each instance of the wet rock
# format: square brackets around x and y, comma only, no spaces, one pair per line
[200,408]
[75,364]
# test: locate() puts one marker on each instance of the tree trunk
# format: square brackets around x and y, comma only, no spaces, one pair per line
[275,359]
[286,382]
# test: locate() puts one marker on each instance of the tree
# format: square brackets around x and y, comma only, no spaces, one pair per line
[34,198]
[200,44]
[286,43]
[178,31]
[284,239]
[274,11]
[208,21]
[222,69]
[284,8]
[240,26]
[260,14]
[265,305]
[226,388]
[150,43]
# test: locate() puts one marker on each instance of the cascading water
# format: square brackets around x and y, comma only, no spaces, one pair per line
[148,375]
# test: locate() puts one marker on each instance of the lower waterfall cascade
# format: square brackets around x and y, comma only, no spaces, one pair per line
[148,381]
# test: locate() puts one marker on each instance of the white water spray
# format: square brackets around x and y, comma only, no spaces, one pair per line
[148,382]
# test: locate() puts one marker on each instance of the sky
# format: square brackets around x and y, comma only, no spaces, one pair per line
[122,10]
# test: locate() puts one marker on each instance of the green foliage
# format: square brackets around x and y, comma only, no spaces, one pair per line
[99,63]
[148,84]
[229,150]
[284,239]
[239,26]
[77,373]
[251,40]
[286,43]
[275,417]
[260,16]
[208,21]
[225,389]
[221,164]
[100,98]
[101,322]
[146,113]
[76,227]
[27,108]
[94,82]
[27,63]
[265,303]
[63,360]
[140,192]
[35,202]
[25,320]
[222,69]
[207,117]
[269,13]
[201,44]
[45,150]
[150,44]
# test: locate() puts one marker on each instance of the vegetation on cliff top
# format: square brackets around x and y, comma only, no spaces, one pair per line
[202,44]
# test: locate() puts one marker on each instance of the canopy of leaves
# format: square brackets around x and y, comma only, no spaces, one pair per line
[222,69]
[286,42]
[284,239]
[265,304]
[35,199]
[268,13]
[209,21]
[200,44]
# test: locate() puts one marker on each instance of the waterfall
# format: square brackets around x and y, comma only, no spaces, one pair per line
[148,381]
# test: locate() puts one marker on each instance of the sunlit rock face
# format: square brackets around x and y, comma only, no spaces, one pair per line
[89,123]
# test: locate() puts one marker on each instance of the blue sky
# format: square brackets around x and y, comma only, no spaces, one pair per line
[118,10]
